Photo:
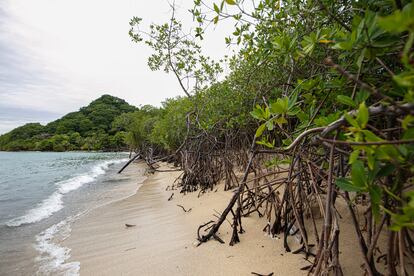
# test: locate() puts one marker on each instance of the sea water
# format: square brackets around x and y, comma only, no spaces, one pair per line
[41,194]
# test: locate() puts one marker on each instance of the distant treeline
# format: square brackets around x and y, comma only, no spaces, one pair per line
[95,127]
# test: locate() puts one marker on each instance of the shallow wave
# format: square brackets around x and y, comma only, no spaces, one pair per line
[52,256]
[54,202]
[45,209]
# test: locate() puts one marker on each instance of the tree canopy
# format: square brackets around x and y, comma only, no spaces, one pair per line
[94,127]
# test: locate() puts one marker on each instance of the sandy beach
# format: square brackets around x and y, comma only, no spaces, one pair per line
[163,242]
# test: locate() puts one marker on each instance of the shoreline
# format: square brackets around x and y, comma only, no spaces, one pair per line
[42,194]
[163,238]
[51,255]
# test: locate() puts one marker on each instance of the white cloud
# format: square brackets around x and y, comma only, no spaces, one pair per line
[65,53]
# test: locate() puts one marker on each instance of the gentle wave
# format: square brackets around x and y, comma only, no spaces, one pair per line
[52,256]
[54,202]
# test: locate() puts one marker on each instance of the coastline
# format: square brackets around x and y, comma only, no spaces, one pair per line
[163,240]
[42,193]
[52,256]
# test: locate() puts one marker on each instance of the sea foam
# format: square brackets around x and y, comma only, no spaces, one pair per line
[54,202]
[52,256]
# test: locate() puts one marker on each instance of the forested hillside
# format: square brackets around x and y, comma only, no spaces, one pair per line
[317,111]
[94,127]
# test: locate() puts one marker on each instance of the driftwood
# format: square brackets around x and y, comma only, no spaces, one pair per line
[129,162]
[258,274]
[171,197]
[182,207]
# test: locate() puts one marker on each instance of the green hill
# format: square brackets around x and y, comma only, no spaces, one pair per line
[90,128]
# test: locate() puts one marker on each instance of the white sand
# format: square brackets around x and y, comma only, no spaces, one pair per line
[162,242]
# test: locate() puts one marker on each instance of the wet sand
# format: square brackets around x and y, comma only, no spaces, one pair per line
[163,240]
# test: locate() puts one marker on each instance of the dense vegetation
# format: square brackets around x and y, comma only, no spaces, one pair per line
[95,127]
[317,111]
[321,90]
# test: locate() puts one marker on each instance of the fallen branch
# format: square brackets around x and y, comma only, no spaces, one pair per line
[182,207]
[171,196]
[129,162]
[258,274]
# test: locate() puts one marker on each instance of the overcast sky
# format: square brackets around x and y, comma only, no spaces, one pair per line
[58,55]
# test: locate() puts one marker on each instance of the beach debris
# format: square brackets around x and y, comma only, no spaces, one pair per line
[218,239]
[258,274]
[171,196]
[132,248]
[182,207]
[306,267]
[130,225]
[196,243]
[205,227]
[130,161]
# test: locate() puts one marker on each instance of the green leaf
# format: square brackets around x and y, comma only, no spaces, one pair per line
[257,114]
[375,192]
[398,21]
[269,125]
[216,8]
[403,149]
[308,84]
[387,152]
[344,45]
[386,170]
[303,117]
[354,156]
[351,120]
[361,95]
[267,113]
[265,143]
[405,79]
[281,120]
[358,175]
[371,161]
[260,130]
[408,134]
[292,100]
[361,58]
[287,141]
[276,108]
[293,111]
[346,100]
[308,43]
[215,19]
[409,119]
[231,2]
[371,137]
[346,185]
[363,115]
[281,106]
